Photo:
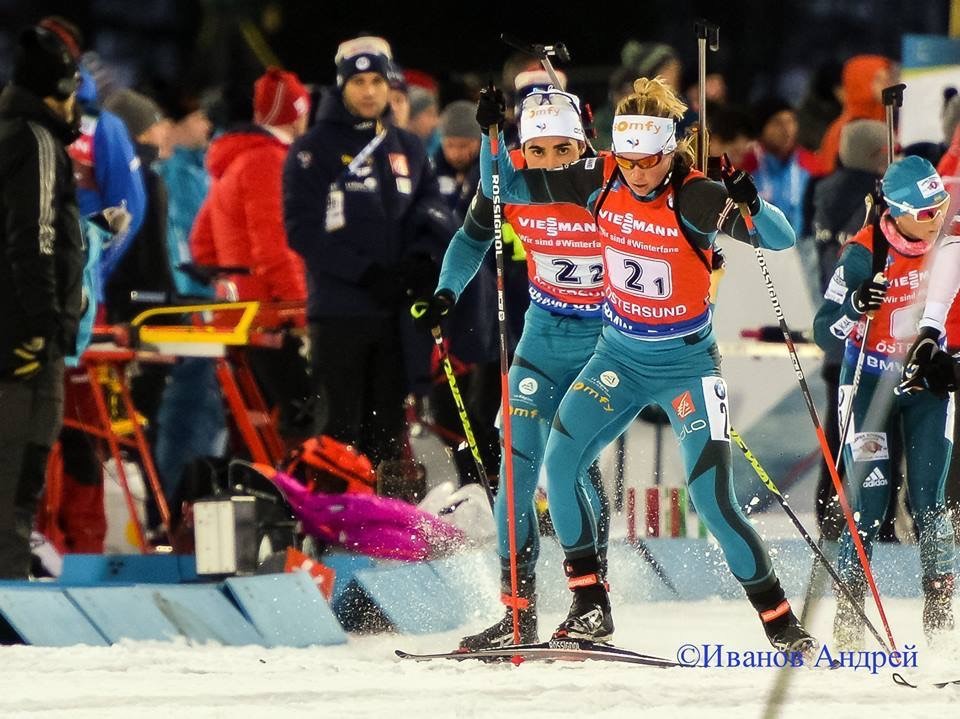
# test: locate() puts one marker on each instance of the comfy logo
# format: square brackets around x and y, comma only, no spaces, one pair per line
[648,126]
[543,111]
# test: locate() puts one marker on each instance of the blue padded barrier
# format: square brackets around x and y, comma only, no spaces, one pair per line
[40,614]
[411,597]
[203,613]
[123,613]
[90,570]
[286,609]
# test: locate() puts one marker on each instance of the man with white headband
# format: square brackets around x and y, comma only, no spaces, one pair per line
[561,327]
[657,219]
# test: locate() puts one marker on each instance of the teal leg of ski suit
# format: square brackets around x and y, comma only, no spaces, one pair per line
[683,377]
[551,351]
[927,425]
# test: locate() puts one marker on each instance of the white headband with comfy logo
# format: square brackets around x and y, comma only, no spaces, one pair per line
[644,134]
[557,116]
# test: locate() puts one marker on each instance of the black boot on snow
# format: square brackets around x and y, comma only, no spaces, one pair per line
[501,633]
[780,624]
[590,616]
[937,606]
[786,634]
[848,626]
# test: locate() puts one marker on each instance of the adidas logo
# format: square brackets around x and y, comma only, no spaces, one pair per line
[875,479]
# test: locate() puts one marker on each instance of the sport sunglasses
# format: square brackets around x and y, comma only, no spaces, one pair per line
[644,163]
[549,97]
[923,214]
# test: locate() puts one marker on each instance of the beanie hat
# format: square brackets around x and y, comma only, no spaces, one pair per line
[419,78]
[138,112]
[420,99]
[43,65]
[646,58]
[367,53]
[912,183]
[458,120]
[279,98]
[550,113]
[67,31]
[766,108]
[863,146]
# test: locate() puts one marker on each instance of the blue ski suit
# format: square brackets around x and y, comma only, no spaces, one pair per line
[560,332]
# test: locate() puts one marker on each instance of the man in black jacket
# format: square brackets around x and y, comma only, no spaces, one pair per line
[362,206]
[41,266]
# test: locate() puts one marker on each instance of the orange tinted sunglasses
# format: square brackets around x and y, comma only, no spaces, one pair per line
[644,163]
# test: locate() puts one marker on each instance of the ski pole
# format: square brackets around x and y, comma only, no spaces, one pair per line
[815,417]
[817,551]
[708,34]
[417,311]
[892,97]
[507,450]
[643,550]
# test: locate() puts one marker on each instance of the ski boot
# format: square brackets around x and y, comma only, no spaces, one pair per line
[786,634]
[848,627]
[937,606]
[780,624]
[590,616]
[501,634]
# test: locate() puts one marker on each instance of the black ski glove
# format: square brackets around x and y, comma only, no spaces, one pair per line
[868,297]
[427,313]
[926,366]
[740,186]
[491,108]
[418,275]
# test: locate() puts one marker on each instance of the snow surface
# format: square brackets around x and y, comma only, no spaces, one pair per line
[363,679]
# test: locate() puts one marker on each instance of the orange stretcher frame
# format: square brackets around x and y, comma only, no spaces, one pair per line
[220,331]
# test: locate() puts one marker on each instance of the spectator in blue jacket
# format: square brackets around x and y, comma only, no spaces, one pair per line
[187,182]
[362,206]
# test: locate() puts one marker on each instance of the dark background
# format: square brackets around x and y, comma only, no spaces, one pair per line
[765,45]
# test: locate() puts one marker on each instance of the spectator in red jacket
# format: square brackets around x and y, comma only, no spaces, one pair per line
[864,77]
[241,224]
[241,221]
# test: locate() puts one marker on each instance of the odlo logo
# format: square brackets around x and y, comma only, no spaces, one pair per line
[528,386]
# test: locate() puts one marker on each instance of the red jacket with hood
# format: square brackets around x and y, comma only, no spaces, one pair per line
[860,102]
[241,221]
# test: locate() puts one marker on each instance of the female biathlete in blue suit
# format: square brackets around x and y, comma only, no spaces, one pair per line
[657,220]
[560,332]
